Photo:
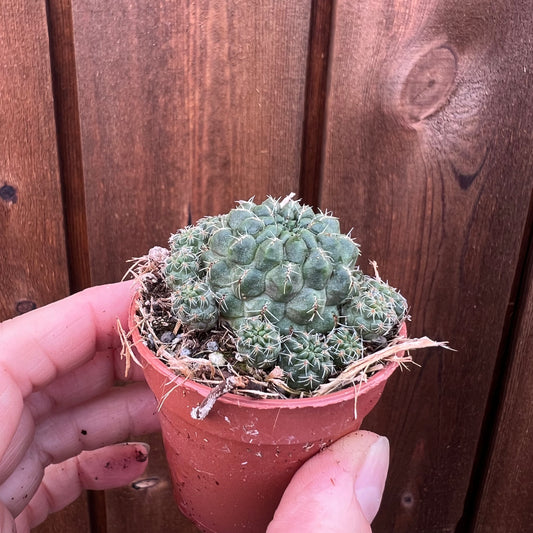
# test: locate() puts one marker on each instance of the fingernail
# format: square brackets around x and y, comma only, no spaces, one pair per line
[142,449]
[371,478]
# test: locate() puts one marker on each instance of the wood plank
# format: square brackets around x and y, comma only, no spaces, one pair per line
[72,519]
[428,158]
[34,259]
[63,64]
[31,215]
[315,100]
[506,499]
[64,83]
[185,108]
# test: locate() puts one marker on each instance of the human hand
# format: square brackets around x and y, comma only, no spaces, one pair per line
[61,413]
[57,369]
[338,490]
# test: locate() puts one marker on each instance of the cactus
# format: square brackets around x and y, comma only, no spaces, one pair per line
[285,279]
[306,360]
[374,309]
[194,304]
[182,267]
[258,343]
[285,258]
[345,345]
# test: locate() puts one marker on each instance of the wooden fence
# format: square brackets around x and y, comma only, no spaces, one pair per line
[411,120]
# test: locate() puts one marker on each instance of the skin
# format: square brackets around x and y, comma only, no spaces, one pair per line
[62,417]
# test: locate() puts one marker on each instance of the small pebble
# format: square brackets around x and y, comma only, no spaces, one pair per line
[212,346]
[176,341]
[217,358]
[167,337]
[185,352]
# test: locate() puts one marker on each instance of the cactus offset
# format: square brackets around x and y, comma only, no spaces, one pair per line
[195,306]
[345,346]
[285,279]
[258,343]
[374,309]
[306,360]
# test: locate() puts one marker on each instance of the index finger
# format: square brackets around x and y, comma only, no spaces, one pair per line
[38,347]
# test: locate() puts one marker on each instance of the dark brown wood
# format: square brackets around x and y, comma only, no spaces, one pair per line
[63,64]
[185,108]
[427,157]
[506,498]
[33,266]
[63,67]
[72,519]
[315,100]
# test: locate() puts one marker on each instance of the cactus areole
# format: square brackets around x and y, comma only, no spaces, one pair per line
[273,290]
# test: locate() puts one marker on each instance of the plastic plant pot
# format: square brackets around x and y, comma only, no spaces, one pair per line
[230,470]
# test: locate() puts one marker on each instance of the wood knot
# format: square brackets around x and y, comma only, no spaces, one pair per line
[25,306]
[8,194]
[427,85]
[408,500]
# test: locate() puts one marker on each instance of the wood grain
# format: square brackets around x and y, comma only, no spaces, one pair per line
[32,240]
[72,519]
[315,100]
[185,108]
[63,65]
[427,157]
[506,499]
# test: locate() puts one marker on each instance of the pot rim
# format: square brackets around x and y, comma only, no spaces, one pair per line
[345,394]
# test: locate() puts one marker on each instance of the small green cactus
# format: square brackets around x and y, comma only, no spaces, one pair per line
[285,257]
[306,360]
[285,279]
[195,305]
[183,266]
[258,343]
[374,309]
[345,345]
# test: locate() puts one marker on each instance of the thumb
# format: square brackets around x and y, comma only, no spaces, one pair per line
[337,490]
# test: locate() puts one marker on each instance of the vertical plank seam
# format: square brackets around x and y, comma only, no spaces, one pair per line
[320,34]
[68,139]
[496,398]
[68,135]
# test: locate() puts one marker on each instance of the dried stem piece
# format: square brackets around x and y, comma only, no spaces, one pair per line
[357,371]
[232,382]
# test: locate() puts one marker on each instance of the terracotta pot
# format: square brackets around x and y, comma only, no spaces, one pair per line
[230,470]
